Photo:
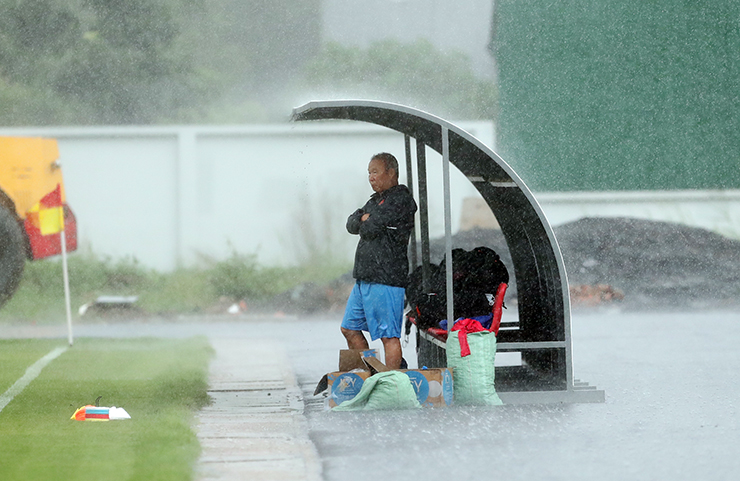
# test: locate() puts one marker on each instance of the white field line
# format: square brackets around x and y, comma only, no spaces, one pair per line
[31,373]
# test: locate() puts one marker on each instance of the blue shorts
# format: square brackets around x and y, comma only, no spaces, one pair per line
[375,308]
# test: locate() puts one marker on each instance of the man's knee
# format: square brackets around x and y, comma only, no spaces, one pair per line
[391,343]
[349,332]
[355,339]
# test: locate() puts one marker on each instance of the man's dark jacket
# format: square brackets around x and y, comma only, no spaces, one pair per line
[381,254]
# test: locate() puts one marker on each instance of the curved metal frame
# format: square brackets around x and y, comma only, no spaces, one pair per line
[543,336]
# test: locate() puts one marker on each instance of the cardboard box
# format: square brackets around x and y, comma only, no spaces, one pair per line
[342,386]
[350,359]
[434,387]
[351,362]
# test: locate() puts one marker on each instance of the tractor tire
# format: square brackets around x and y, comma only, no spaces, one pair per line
[12,254]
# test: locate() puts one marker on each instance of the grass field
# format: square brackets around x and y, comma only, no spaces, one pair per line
[161,383]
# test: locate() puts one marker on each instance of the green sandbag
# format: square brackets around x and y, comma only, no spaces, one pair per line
[474,374]
[384,390]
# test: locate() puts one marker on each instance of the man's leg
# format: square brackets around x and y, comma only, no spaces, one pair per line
[354,321]
[384,311]
[393,352]
[356,339]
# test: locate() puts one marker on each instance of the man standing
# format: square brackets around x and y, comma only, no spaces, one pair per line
[384,225]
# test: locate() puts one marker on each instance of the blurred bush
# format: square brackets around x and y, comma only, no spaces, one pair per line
[204,289]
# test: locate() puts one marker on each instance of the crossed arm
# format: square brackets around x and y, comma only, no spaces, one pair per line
[369,226]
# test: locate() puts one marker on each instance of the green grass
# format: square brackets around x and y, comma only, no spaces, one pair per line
[161,383]
[16,356]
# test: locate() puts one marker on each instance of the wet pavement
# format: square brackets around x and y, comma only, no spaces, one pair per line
[254,428]
[671,383]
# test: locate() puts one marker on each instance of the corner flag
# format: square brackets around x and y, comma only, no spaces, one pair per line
[49,212]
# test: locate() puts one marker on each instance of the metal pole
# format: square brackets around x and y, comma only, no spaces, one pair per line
[448,225]
[65,275]
[410,184]
[421,162]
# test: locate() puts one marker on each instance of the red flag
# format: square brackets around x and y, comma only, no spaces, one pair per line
[52,199]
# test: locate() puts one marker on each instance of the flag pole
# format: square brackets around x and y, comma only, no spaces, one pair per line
[67,301]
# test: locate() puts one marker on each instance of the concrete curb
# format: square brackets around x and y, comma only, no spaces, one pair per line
[255,427]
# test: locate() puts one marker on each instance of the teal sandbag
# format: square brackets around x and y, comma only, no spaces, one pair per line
[474,375]
[384,390]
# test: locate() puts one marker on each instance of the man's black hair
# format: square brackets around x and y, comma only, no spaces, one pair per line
[389,161]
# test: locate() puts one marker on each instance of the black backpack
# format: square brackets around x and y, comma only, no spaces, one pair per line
[427,308]
[475,273]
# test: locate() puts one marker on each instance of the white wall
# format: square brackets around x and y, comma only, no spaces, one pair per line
[169,195]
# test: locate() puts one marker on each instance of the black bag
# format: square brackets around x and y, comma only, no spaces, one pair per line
[427,308]
[475,273]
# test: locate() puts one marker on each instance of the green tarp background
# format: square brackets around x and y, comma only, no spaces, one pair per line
[628,95]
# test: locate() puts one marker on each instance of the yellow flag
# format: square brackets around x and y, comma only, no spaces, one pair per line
[51,220]
[50,212]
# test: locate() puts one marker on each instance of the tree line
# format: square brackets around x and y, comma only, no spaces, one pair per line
[107,62]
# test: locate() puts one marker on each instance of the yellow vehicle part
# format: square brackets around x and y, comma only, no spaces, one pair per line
[29,170]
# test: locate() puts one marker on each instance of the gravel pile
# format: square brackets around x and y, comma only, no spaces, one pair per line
[655,265]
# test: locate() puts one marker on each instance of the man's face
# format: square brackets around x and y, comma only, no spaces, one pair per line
[380,178]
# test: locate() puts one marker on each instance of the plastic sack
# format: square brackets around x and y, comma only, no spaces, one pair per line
[475,373]
[383,391]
